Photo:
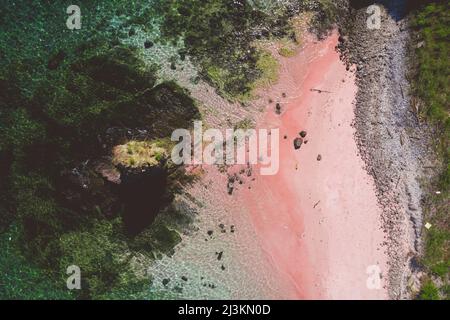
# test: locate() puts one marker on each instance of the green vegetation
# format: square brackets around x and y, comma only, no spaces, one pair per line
[137,154]
[218,34]
[19,279]
[436,253]
[221,35]
[433,79]
[429,291]
[61,114]
[68,97]
[268,66]
[244,124]
[218,77]
[286,52]
[431,88]
[97,253]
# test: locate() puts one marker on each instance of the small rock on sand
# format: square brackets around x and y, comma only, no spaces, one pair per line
[277,108]
[297,143]
[230,187]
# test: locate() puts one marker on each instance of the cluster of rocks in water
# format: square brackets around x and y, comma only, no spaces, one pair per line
[237,178]
[222,229]
[219,256]
[178,287]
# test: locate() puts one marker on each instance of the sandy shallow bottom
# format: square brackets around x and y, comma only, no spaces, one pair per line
[244,271]
[312,231]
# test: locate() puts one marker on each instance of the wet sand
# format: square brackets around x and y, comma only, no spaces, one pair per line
[318,222]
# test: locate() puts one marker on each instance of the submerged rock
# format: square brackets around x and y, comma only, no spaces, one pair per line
[148,44]
[144,181]
[56,60]
[142,193]
[219,255]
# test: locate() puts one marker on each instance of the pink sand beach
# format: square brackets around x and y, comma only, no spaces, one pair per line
[318,222]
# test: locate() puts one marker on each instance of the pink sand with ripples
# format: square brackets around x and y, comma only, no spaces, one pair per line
[318,222]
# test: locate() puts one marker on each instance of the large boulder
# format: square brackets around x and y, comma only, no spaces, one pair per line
[297,143]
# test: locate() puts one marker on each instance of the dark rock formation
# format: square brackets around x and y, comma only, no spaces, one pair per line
[56,60]
[148,44]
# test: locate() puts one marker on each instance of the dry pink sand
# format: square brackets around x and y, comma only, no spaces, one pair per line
[318,222]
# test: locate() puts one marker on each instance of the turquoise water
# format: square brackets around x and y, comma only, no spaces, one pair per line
[183,40]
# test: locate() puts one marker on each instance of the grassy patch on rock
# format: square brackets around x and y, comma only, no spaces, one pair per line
[429,291]
[287,52]
[268,66]
[136,154]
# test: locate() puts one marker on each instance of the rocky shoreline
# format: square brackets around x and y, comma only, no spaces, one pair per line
[393,143]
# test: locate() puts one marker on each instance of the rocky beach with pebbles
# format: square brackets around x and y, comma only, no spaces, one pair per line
[394,144]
